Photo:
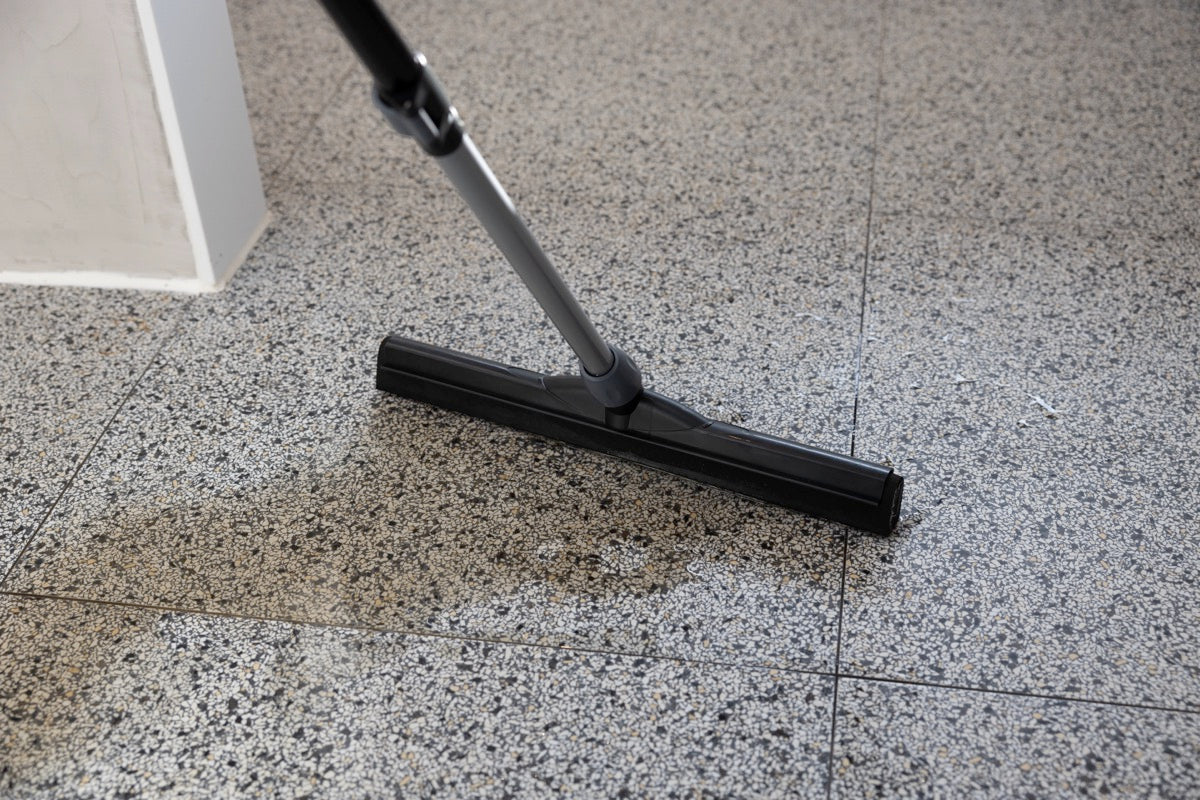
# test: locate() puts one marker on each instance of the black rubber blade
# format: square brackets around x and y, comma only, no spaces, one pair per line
[654,430]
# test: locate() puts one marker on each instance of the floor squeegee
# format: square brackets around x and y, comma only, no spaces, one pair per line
[604,407]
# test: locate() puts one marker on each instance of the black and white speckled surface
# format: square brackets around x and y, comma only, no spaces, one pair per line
[272,480]
[263,420]
[329,592]
[103,701]
[1056,552]
[1060,113]
[896,741]
[292,64]
[68,357]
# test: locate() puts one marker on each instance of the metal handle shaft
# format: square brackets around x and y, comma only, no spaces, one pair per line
[412,100]
[474,180]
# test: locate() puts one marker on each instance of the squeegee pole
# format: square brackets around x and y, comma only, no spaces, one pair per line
[412,100]
[376,41]
[605,408]
[475,182]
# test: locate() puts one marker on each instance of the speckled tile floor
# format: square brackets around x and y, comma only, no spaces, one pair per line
[961,238]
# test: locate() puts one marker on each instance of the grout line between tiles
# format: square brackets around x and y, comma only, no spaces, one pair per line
[837,662]
[309,126]
[858,360]
[179,314]
[365,628]
[866,264]
[953,687]
[408,632]
[1091,229]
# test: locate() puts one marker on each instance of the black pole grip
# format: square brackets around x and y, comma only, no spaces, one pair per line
[377,43]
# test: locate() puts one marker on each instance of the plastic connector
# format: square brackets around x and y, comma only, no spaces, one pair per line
[618,387]
[422,111]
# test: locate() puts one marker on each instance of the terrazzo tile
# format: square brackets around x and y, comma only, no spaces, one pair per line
[257,471]
[641,115]
[292,62]
[1039,391]
[67,357]
[909,741]
[701,174]
[745,228]
[1056,113]
[766,339]
[116,702]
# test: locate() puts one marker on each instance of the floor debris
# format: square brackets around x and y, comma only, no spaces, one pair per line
[1049,410]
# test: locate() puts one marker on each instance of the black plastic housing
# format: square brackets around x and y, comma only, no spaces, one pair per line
[376,42]
[652,430]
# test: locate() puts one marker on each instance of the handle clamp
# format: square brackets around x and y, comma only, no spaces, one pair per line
[420,109]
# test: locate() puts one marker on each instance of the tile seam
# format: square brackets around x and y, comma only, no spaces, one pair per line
[309,124]
[858,372]
[175,318]
[416,634]
[1098,230]
[405,632]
